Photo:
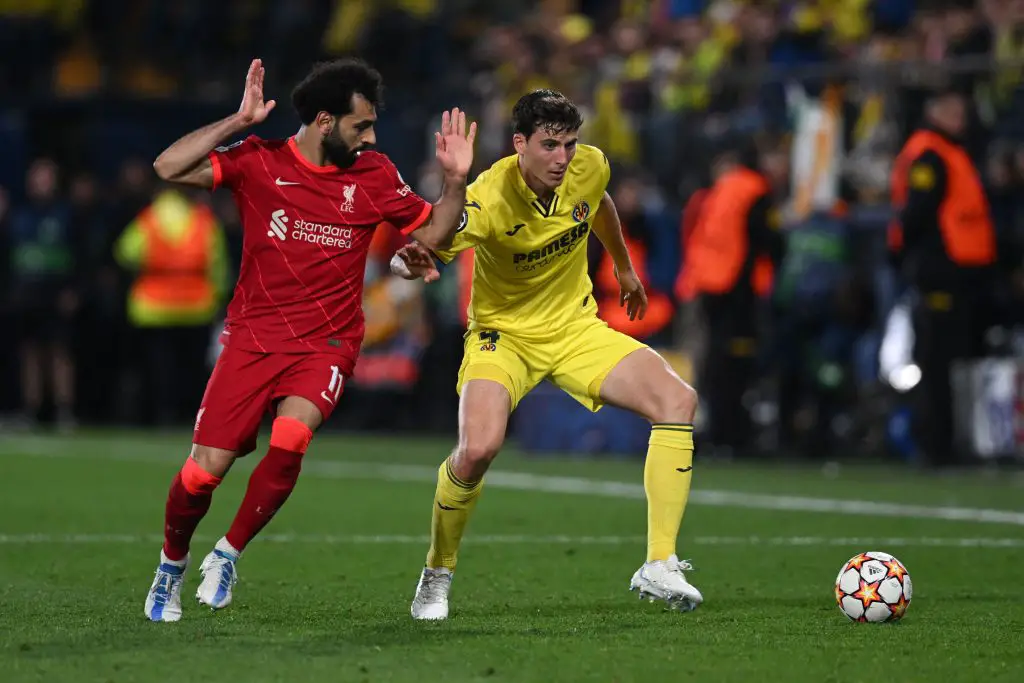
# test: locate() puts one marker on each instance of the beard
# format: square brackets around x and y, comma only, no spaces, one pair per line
[337,152]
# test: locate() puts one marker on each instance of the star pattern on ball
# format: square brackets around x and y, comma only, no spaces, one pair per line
[868,593]
[839,595]
[895,569]
[900,608]
[858,562]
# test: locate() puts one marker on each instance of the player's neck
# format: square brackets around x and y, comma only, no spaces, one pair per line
[310,148]
[543,192]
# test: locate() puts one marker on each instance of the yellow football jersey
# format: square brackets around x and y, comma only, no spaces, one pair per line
[530,261]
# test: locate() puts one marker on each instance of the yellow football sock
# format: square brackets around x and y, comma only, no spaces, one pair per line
[667,484]
[454,500]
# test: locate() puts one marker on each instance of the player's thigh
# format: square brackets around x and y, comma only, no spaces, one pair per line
[311,386]
[500,359]
[646,384]
[236,397]
[588,352]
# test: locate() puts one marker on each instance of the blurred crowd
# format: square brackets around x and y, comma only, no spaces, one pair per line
[91,90]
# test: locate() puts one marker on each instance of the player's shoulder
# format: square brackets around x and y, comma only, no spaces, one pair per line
[372,160]
[496,182]
[589,168]
[588,159]
[375,169]
[372,156]
[589,154]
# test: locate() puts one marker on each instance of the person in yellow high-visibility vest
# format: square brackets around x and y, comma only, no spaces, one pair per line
[178,250]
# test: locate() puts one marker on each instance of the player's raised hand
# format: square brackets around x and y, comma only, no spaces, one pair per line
[253,109]
[415,261]
[454,146]
[632,294]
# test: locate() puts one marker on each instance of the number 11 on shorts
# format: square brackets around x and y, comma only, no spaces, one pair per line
[333,391]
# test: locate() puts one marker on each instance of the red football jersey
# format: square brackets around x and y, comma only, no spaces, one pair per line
[307,230]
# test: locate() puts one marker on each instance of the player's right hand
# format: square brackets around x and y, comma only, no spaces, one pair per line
[418,262]
[253,109]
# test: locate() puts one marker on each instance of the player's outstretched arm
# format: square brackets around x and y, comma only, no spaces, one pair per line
[454,151]
[608,229]
[187,162]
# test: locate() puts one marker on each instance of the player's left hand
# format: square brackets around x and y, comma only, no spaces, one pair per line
[632,294]
[453,146]
[418,261]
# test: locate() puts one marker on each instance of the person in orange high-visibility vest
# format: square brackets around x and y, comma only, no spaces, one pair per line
[177,249]
[606,284]
[944,242]
[628,196]
[729,263]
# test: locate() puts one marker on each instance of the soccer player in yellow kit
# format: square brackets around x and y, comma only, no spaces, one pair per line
[532,316]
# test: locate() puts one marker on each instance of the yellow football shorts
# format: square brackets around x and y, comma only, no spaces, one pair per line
[576,361]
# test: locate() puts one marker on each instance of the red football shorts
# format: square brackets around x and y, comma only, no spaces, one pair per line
[245,385]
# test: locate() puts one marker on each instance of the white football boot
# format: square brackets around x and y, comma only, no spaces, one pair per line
[219,575]
[664,580]
[163,602]
[431,601]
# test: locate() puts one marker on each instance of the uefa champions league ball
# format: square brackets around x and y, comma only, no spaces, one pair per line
[874,587]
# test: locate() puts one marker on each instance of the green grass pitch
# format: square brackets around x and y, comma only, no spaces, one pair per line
[541,593]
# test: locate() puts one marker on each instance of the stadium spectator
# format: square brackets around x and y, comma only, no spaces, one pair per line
[176,249]
[945,243]
[44,294]
[101,333]
[730,263]
[660,82]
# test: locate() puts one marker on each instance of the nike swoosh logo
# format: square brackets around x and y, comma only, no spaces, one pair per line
[684,469]
[445,507]
[285,182]
[324,396]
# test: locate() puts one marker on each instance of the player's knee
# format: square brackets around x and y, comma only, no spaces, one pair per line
[474,456]
[676,404]
[216,461]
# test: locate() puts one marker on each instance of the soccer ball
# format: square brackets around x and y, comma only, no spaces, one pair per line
[874,587]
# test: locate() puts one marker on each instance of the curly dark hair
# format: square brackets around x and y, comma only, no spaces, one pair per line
[330,86]
[547,109]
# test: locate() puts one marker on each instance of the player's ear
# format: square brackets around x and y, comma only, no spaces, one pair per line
[325,123]
[519,142]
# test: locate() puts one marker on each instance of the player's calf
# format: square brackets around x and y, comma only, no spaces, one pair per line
[187,503]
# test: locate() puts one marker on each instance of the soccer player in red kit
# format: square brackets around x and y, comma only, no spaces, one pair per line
[309,206]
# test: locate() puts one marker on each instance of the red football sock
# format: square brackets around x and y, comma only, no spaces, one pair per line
[187,504]
[272,481]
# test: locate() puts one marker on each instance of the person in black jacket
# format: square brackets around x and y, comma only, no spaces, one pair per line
[944,246]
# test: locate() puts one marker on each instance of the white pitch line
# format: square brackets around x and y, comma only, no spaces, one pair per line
[523,481]
[389,539]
